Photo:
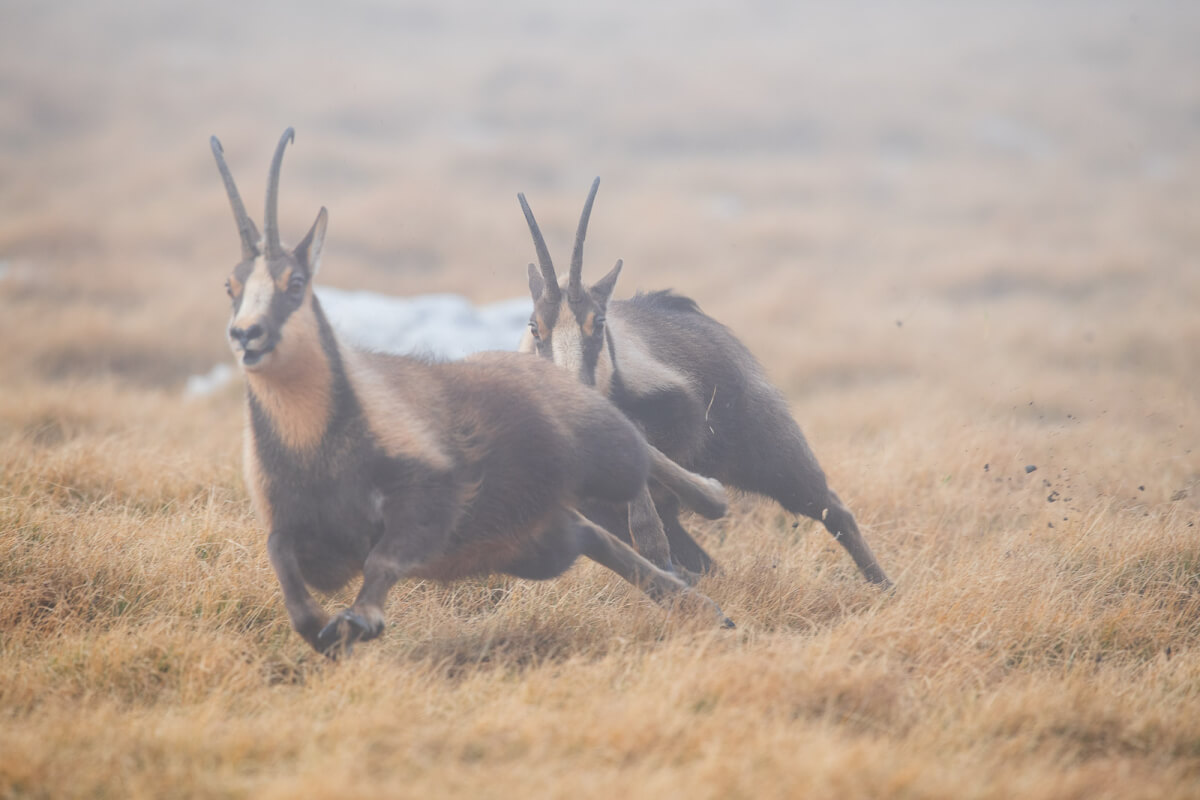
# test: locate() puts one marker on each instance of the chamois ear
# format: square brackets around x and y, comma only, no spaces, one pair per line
[536,284]
[603,288]
[308,252]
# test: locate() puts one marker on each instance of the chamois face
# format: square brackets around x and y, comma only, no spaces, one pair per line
[271,288]
[568,329]
[567,325]
[268,294]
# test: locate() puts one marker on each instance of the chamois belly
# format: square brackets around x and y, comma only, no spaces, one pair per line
[514,473]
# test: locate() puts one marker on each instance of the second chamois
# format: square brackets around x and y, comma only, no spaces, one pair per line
[695,391]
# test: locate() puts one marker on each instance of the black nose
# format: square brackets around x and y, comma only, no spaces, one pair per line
[244,335]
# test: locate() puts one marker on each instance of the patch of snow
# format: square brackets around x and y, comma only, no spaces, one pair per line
[209,382]
[442,325]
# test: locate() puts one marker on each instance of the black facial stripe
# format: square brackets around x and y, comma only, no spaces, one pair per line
[592,345]
[282,305]
[548,312]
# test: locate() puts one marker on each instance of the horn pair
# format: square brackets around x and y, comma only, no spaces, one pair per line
[249,233]
[575,281]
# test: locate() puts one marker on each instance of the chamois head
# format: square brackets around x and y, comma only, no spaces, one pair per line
[567,324]
[270,285]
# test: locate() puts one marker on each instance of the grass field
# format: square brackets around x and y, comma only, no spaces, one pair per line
[963,239]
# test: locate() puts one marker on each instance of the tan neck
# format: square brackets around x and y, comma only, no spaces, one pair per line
[295,390]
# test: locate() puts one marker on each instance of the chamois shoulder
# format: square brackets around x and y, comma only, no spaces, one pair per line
[402,401]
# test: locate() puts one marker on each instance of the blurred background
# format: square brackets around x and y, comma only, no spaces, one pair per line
[984,202]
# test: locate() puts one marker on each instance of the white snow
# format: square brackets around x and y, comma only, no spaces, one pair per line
[442,325]
[209,382]
[445,325]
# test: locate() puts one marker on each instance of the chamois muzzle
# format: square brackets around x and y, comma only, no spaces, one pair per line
[252,342]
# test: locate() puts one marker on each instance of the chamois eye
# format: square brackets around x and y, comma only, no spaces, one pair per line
[296,285]
[228,287]
[533,328]
[598,321]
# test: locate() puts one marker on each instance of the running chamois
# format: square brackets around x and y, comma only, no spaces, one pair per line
[396,467]
[695,391]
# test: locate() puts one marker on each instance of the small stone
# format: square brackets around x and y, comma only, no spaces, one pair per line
[1052,497]
[1141,488]
[1030,468]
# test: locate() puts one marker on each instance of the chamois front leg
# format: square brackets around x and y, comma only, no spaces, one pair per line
[305,613]
[414,535]
[364,620]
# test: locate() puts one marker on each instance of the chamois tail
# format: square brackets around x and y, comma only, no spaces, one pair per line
[703,495]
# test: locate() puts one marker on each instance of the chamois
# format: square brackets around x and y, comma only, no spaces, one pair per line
[695,391]
[396,467]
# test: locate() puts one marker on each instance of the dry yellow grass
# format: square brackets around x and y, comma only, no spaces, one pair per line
[960,241]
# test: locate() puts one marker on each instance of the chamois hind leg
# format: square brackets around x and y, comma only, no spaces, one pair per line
[787,471]
[841,523]
[689,558]
[662,587]
[646,531]
[635,523]
[822,503]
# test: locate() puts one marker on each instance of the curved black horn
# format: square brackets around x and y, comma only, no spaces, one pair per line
[539,242]
[246,228]
[271,216]
[575,281]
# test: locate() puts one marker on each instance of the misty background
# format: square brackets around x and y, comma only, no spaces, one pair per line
[980,174]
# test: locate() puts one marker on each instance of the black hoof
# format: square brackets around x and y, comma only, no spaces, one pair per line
[727,623]
[339,636]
